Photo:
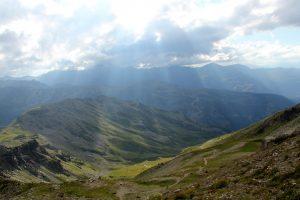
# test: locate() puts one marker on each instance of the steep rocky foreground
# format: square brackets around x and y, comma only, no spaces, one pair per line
[273,173]
[259,162]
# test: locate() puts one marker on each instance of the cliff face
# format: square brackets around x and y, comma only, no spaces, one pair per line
[29,156]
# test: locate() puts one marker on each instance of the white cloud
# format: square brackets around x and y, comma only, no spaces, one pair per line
[38,36]
[257,53]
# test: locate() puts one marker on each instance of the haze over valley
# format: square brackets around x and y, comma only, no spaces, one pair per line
[149,99]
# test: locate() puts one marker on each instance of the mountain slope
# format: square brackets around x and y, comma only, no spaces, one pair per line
[259,162]
[105,131]
[262,159]
[17,97]
[283,81]
[233,77]
[226,110]
[210,76]
[31,157]
[273,173]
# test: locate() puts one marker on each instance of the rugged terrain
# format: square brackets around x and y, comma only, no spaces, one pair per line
[105,131]
[226,110]
[240,78]
[262,159]
[258,162]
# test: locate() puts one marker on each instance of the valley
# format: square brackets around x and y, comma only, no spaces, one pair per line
[239,78]
[149,100]
[105,131]
[145,139]
[262,159]
[226,110]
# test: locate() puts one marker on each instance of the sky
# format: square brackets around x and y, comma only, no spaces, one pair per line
[40,36]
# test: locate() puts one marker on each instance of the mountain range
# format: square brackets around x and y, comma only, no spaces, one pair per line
[211,132]
[261,160]
[283,81]
[226,110]
[104,131]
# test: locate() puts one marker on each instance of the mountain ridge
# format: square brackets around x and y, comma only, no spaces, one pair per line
[227,110]
[105,131]
[233,77]
[206,106]
[260,161]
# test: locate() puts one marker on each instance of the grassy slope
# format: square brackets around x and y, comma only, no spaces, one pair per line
[225,148]
[237,166]
[273,173]
[220,161]
[104,132]
[115,130]
[130,171]
[223,109]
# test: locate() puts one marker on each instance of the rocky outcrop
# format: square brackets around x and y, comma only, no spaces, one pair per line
[277,139]
[279,118]
[29,156]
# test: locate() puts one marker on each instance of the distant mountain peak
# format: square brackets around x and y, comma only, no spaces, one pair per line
[238,66]
[217,66]
[212,65]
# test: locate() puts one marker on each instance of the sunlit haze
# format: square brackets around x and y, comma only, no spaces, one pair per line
[40,36]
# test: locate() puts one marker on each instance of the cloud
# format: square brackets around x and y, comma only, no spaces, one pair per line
[288,12]
[258,15]
[39,36]
[254,17]
[45,36]
[164,43]
[256,53]
[10,49]
[10,10]
[10,43]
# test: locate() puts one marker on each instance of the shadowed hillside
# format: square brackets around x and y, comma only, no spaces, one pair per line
[106,131]
[150,100]
[17,97]
[259,162]
[283,81]
[262,159]
[226,110]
